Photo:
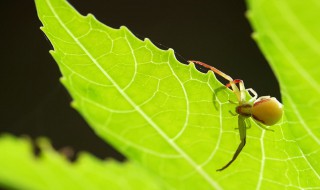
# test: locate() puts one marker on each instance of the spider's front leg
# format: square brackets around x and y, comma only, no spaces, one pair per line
[242,131]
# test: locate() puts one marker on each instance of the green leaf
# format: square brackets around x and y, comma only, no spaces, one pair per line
[288,33]
[20,169]
[139,98]
[161,113]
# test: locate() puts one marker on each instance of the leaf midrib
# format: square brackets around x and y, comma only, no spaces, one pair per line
[199,169]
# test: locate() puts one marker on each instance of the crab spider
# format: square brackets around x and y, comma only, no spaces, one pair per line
[265,110]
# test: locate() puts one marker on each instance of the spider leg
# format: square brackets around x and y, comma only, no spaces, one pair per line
[232,102]
[255,95]
[217,71]
[232,83]
[263,127]
[242,131]
[248,123]
[235,81]
[234,114]
[240,93]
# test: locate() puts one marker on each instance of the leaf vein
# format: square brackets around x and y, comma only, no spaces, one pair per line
[205,175]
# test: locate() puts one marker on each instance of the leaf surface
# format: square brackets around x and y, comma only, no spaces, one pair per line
[163,114]
[139,98]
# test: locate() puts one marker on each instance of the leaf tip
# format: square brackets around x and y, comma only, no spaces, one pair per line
[123,28]
[171,53]
[89,15]
[74,105]
[53,53]
[193,68]
[255,35]
[44,143]
[63,80]
[248,14]
[126,31]
[191,64]
[149,42]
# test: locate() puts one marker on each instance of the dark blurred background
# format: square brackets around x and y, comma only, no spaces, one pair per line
[34,103]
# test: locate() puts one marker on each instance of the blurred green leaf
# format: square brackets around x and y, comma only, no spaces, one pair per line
[20,169]
[288,33]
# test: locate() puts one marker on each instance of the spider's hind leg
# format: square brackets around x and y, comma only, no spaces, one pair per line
[243,134]
[263,127]
[232,113]
[248,123]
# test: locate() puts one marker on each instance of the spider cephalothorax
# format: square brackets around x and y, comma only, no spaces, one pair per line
[265,110]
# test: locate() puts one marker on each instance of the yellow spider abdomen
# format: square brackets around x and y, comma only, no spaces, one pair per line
[267,110]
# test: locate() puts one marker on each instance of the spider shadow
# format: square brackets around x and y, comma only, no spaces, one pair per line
[215,98]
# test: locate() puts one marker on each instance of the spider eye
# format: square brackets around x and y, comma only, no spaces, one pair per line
[267,110]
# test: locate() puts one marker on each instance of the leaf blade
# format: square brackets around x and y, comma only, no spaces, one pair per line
[163,56]
[181,117]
